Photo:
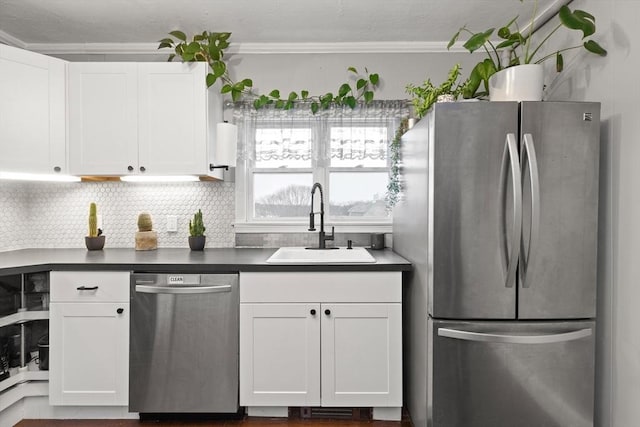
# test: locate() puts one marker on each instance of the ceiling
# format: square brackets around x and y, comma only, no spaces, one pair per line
[60,22]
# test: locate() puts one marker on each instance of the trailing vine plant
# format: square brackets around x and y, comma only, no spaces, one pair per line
[210,47]
[394,187]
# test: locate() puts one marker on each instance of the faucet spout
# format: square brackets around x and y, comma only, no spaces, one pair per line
[322,236]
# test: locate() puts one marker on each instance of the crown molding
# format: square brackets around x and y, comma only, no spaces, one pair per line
[239,48]
[10,40]
[353,47]
[246,48]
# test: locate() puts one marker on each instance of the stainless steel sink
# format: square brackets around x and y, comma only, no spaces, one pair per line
[295,255]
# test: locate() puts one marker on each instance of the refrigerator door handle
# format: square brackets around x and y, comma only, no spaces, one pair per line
[530,153]
[511,149]
[514,339]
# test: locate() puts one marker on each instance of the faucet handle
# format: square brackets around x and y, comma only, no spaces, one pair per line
[332,234]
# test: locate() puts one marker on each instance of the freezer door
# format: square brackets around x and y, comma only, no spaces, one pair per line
[473,166]
[560,210]
[505,374]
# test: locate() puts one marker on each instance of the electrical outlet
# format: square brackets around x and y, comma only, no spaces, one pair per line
[172,223]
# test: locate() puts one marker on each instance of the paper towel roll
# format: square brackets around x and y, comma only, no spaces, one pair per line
[226,143]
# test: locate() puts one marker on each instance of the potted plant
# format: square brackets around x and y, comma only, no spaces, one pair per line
[425,95]
[197,238]
[518,52]
[95,240]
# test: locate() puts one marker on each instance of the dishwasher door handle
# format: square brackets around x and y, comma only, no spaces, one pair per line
[182,289]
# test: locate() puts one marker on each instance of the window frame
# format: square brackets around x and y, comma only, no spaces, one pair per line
[320,170]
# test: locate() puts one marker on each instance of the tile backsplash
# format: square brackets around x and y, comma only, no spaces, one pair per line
[55,215]
[49,215]
[14,216]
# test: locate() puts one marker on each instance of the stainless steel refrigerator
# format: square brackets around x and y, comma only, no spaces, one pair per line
[499,216]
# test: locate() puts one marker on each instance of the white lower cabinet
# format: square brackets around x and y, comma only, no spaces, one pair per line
[89,338]
[321,339]
[279,355]
[361,354]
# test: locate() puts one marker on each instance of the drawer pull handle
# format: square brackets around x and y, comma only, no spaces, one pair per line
[313,311]
[327,312]
[87,288]
[120,310]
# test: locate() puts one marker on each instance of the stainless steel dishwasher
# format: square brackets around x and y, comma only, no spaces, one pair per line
[184,343]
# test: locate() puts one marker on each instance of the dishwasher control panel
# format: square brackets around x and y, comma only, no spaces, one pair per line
[183,279]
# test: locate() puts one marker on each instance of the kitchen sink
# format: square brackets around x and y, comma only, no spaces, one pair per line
[295,255]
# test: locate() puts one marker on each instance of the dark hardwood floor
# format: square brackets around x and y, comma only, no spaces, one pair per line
[249,422]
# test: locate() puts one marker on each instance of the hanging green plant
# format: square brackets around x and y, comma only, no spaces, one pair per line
[393,187]
[210,47]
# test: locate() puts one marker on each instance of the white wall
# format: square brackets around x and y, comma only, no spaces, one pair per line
[321,73]
[613,81]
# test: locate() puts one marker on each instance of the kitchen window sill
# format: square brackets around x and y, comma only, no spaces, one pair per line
[340,227]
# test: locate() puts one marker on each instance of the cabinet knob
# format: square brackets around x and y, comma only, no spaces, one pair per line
[327,312]
[130,168]
[57,169]
[313,312]
[142,169]
[120,310]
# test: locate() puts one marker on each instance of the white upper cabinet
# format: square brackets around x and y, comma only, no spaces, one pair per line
[141,118]
[32,112]
[103,108]
[172,114]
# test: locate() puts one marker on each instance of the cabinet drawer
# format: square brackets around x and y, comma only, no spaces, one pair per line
[89,286]
[348,286]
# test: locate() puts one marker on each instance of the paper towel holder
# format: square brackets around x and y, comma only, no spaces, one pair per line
[226,146]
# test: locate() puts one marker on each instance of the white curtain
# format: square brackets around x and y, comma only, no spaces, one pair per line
[345,144]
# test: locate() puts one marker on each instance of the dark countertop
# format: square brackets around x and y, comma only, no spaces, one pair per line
[215,260]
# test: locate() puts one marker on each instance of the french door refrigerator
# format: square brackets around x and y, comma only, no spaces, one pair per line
[499,216]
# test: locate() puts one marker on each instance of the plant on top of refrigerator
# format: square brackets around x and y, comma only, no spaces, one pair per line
[515,47]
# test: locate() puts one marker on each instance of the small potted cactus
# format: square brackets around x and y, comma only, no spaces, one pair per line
[197,238]
[95,240]
[146,238]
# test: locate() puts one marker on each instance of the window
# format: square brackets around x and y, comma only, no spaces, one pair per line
[282,153]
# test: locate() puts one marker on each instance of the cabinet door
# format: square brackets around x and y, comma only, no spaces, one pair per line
[173,118]
[361,355]
[279,355]
[103,116]
[89,354]
[32,112]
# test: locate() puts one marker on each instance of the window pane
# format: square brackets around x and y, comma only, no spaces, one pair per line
[283,148]
[358,146]
[282,195]
[358,194]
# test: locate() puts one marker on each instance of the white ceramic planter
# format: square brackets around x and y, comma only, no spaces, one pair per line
[519,83]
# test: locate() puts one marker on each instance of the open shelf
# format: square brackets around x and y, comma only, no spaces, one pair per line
[24,376]
[22,317]
[21,390]
[24,304]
